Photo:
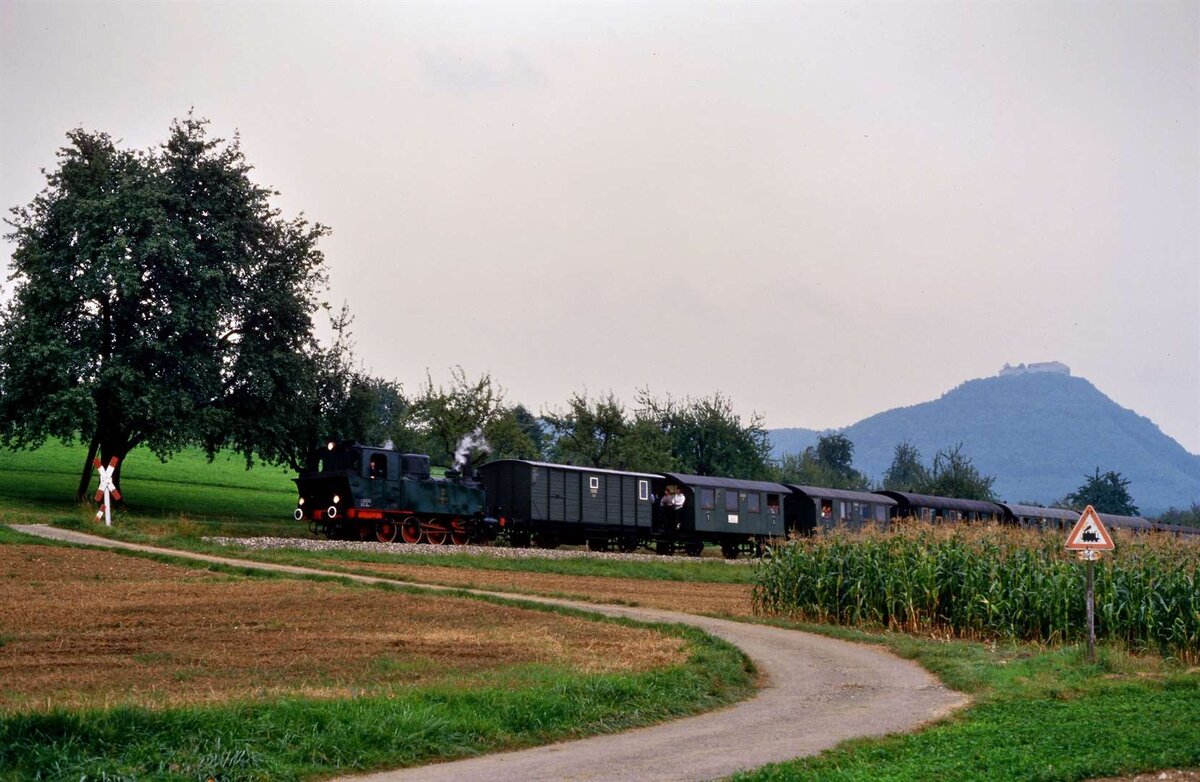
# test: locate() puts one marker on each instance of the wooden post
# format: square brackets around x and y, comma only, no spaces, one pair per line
[1091,606]
[1089,538]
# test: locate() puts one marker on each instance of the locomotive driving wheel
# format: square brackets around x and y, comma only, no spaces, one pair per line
[458,532]
[385,532]
[410,531]
[434,533]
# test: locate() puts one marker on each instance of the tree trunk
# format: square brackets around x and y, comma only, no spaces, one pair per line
[86,477]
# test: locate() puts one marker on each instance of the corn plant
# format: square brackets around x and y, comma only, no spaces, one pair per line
[988,582]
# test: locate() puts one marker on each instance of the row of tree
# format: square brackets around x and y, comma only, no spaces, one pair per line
[830,463]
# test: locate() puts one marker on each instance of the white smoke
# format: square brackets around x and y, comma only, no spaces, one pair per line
[391,446]
[472,441]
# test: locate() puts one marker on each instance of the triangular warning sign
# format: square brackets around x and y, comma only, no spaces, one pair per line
[1089,533]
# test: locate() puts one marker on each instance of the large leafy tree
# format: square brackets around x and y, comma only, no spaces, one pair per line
[159,300]
[465,417]
[954,475]
[830,463]
[589,431]
[906,472]
[1107,493]
[709,438]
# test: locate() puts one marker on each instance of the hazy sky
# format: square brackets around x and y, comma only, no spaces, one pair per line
[823,210]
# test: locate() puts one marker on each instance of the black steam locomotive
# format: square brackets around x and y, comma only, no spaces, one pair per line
[354,492]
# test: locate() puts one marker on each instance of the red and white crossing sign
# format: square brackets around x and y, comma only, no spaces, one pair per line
[107,491]
[1089,533]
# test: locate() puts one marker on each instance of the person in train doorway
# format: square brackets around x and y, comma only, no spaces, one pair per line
[672,502]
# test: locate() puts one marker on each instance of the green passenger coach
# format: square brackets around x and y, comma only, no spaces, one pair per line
[739,515]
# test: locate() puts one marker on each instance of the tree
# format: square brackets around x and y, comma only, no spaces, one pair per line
[159,299]
[510,435]
[954,475]
[1107,493]
[588,431]
[1189,517]
[830,463]
[906,472]
[708,437]
[338,401]
[645,446]
[446,415]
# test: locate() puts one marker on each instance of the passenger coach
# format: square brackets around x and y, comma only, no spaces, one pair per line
[813,507]
[738,515]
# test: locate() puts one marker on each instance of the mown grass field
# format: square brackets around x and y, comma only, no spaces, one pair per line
[222,493]
[1040,712]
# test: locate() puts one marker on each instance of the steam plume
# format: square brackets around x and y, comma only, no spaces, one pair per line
[474,440]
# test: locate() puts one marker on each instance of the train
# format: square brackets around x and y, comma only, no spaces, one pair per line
[358,492]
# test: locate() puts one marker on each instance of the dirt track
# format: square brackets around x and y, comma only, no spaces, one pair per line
[817,693]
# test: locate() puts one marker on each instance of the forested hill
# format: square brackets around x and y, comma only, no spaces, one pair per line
[1039,434]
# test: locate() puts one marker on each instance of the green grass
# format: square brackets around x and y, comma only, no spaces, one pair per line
[1038,714]
[188,483]
[296,738]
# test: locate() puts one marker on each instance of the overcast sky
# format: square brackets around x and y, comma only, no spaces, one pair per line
[823,210]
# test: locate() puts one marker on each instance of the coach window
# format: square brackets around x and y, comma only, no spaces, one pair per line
[827,509]
[643,490]
[377,467]
[731,501]
[773,504]
[708,499]
[753,502]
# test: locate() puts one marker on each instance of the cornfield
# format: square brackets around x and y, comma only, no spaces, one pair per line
[988,582]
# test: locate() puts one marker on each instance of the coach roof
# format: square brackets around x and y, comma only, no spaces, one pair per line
[944,503]
[709,481]
[573,468]
[1038,512]
[843,494]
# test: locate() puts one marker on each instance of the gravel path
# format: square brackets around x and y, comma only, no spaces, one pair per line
[817,693]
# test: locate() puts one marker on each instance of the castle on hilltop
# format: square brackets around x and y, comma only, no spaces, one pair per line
[1051,367]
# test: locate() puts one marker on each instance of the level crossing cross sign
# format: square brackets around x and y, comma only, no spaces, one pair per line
[1089,533]
[107,492]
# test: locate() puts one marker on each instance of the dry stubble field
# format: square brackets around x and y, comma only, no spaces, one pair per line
[92,628]
[689,597]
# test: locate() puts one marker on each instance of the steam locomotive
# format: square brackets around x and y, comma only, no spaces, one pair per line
[357,492]
[353,492]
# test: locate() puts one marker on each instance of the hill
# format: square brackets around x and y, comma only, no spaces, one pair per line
[1039,434]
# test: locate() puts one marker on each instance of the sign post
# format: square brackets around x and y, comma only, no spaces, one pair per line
[106,492]
[1089,538]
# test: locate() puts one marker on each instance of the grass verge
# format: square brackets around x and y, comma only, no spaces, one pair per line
[1037,714]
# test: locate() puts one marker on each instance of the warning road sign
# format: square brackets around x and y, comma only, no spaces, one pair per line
[1089,533]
